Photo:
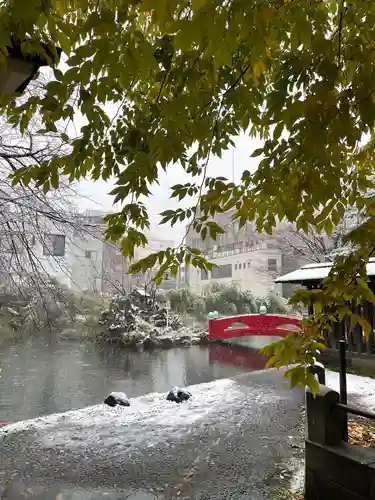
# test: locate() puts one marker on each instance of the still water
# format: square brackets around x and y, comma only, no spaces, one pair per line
[39,378]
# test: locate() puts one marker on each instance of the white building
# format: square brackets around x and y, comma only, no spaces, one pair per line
[42,249]
[76,254]
[100,266]
[253,270]
[71,252]
[120,265]
[85,256]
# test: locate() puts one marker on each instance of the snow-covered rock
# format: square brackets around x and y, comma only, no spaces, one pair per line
[136,321]
[178,395]
[117,399]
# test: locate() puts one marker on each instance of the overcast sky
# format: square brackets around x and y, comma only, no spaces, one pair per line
[95,194]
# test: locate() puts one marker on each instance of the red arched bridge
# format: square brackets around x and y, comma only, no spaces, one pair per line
[252,325]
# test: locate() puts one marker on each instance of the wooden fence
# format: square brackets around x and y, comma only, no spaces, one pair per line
[355,338]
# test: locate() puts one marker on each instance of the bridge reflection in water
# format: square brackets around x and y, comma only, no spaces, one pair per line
[237,355]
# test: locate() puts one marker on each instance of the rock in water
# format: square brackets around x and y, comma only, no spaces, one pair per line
[117,398]
[178,395]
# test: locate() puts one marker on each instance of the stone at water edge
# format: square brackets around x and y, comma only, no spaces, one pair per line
[166,341]
[178,395]
[116,399]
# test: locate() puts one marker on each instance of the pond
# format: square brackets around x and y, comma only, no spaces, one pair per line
[39,378]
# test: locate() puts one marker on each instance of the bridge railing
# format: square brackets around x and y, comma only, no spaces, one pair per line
[272,325]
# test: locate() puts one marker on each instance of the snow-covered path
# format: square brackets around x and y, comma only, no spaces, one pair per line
[222,444]
[361,390]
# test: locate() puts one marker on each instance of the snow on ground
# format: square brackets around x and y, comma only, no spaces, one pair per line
[360,389]
[150,419]
[158,411]
[160,417]
[147,422]
[298,479]
[149,406]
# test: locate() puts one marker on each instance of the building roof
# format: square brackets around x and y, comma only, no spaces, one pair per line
[311,273]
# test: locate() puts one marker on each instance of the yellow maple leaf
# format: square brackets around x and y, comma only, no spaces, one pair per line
[259,68]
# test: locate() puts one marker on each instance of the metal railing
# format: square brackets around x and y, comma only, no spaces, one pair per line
[357,411]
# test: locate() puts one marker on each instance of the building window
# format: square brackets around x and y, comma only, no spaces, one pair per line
[235,266]
[272,265]
[204,274]
[224,271]
[239,266]
[54,244]
[90,254]
[248,264]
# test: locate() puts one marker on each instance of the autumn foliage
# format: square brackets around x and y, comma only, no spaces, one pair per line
[185,77]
